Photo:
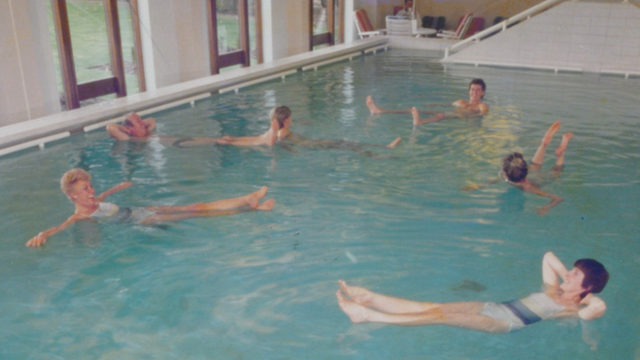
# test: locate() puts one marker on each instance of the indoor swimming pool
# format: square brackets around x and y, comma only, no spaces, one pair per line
[261,285]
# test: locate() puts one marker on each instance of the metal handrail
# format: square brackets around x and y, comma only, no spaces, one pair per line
[504,24]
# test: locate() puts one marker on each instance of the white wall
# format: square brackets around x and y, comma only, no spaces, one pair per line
[174,41]
[286,28]
[28,87]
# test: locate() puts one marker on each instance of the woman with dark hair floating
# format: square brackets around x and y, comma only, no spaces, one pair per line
[571,298]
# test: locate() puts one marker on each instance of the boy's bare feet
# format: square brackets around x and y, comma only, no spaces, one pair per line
[416,116]
[394,143]
[552,130]
[357,313]
[267,205]
[563,145]
[358,294]
[253,199]
[372,106]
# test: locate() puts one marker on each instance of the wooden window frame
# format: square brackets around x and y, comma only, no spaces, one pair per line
[239,57]
[137,43]
[74,92]
[327,37]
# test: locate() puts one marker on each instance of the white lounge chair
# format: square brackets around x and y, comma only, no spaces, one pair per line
[398,25]
[461,30]
[364,25]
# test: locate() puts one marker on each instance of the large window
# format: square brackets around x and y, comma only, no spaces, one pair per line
[97,57]
[322,20]
[234,33]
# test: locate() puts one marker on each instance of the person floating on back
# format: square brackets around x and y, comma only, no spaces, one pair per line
[134,128]
[515,171]
[571,298]
[280,132]
[76,184]
[474,107]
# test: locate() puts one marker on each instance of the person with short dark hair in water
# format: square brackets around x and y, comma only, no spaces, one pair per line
[474,107]
[573,297]
[515,170]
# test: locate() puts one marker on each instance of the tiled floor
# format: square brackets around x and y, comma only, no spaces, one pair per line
[584,36]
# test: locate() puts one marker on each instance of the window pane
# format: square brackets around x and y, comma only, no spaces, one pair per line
[319,17]
[89,40]
[253,35]
[228,26]
[54,47]
[128,47]
[337,15]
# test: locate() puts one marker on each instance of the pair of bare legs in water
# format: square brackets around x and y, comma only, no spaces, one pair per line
[415,113]
[538,158]
[474,107]
[215,208]
[362,305]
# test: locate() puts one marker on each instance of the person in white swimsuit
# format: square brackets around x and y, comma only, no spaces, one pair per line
[76,184]
[571,298]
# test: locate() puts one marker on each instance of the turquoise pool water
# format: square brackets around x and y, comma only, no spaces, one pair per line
[261,285]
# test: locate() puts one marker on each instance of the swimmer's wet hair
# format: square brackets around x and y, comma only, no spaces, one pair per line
[595,276]
[126,121]
[515,167]
[478,82]
[280,113]
[71,177]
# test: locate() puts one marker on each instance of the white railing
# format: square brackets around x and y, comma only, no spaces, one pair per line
[503,25]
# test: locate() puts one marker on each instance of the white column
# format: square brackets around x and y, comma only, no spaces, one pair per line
[376,10]
[350,30]
[28,87]
[285,28]
[175,44]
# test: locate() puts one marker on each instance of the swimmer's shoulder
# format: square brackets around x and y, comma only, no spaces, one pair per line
[292,137]
[461,103]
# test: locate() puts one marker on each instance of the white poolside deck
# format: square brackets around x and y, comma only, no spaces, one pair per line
[597,37]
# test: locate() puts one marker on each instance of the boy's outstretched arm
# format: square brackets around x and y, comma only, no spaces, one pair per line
[41,238]
[268,138]
[480,186]
[118,132]
[555,200]
[114,190]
